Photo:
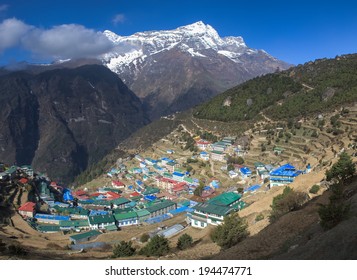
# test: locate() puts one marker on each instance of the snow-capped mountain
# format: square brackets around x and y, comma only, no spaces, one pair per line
[176,69]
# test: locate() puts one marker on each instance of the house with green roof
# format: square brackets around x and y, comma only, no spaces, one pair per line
[226,199]
[101,221]
[206,213]
[48,228]
[214,210]
[217,156]
[74,224]
[126,219]
[162,207]
[142,214]
[84,237]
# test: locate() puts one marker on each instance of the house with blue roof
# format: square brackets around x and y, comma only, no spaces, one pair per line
[150,161]
[178,176]
[204,156]
[245,172]
[283,175]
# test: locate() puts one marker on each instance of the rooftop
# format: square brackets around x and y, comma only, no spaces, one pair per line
[101,219]
[285,170]
[85,235]
[28,206]
[213,209]
[225,199]
[160,205]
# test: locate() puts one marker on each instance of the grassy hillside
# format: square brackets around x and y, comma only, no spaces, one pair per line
[297,92]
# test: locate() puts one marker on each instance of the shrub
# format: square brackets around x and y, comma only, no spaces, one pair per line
[332,214]
[259,217]
[314,189]
[289,200]
[184,242]
[157,246]
[231,232]
[144,237]
[342,170]
[123,249]
[314,134]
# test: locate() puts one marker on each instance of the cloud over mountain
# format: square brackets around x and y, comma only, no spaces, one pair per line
[59,42]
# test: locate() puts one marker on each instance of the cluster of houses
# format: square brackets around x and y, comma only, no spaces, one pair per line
[97,211]
[156,191]
[215,209]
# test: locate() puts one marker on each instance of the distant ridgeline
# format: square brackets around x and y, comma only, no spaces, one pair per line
[297,92]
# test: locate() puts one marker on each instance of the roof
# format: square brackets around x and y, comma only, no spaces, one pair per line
[151,190]
[72,210]
[85,235]
[111,228]
[287,170]
[258,164]
[52,217]
[120,201]
[125,216]
[252,188]
[28,206]
[171,230]
[118,183]
[74,223]
[101,219]
[202,142]
[23,180]
[245,170]
[213,209]
[217,152]
[48,228]
[160,205]
[225,199]
[178,174]
[134,194]
[142,213]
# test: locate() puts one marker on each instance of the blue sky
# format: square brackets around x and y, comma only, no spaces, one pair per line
[295,32]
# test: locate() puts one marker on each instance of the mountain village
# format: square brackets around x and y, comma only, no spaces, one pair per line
[144,190]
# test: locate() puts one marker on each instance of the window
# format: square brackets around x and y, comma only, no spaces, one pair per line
[202,224]
[196,223]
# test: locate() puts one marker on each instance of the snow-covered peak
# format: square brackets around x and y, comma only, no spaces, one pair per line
[198,28]
[194,39]
[112,36]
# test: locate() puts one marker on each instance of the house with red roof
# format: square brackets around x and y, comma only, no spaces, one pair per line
[28,209]
[112,195]
[118,184]
[178,188]
[23,181]
[203,144]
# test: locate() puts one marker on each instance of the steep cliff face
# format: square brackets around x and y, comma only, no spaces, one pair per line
[63,120]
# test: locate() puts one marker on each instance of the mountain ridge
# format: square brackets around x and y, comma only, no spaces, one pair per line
[63,120]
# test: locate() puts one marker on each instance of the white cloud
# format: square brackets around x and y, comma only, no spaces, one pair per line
[67,41]
[3,7]
[59,42]
[119,18]
[11,32]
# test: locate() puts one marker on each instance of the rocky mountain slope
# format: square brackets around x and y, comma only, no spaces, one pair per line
[174,70]
[63,120]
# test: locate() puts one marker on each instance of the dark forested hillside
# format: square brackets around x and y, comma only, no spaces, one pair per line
[310,88]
